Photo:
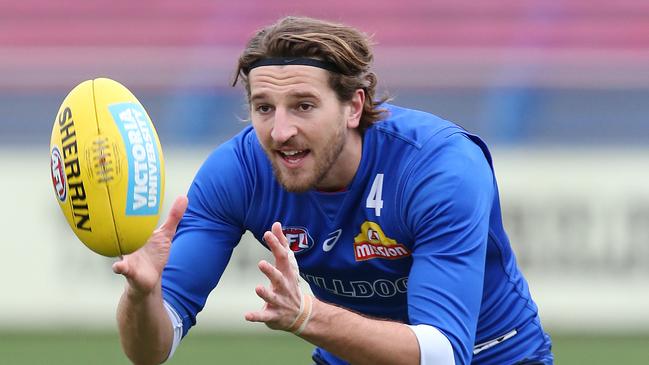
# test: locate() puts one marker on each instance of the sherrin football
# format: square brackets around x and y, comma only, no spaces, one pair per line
[107,167]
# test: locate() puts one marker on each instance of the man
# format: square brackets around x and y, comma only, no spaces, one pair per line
[392,216]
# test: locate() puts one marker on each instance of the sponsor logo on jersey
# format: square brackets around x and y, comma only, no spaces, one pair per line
[143,197]
[384,288]
[58,175]
[372,243]
[298,238]
[331,241]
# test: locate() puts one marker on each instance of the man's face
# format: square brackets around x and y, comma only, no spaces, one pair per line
[308,134]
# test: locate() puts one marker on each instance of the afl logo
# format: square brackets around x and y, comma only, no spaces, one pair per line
[58,175]
[298,238]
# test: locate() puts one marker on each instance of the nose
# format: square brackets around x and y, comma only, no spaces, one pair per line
[283,126]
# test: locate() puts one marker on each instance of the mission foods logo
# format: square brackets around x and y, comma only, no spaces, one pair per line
[58,175]
[372,243]
[298,238]
[143,197]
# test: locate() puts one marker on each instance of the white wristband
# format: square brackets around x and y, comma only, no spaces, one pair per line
[434,347]
[176,325]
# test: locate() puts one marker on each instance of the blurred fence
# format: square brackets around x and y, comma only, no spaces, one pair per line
[576,218]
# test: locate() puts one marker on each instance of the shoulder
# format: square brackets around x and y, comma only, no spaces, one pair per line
[413,127]
[451,177]
[227,178]
[241,154]
[231,165]
[239,148]
[423,142]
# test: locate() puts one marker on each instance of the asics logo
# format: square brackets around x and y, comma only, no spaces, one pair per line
[331,241]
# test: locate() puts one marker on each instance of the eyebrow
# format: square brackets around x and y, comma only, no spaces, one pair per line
[304,94]
[257,96]
[299,94]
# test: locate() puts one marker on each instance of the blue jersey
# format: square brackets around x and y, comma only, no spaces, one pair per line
[416,237]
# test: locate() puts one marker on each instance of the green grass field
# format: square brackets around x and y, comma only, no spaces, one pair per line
[79,347]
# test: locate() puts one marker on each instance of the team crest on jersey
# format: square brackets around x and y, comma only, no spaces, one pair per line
[372,243]
[298,238]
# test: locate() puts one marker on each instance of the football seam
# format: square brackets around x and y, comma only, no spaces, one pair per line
[110,200]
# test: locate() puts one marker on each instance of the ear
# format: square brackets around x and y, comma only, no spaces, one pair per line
[356,108]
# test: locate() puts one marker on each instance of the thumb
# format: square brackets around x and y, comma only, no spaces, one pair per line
[121,267]
[175,214]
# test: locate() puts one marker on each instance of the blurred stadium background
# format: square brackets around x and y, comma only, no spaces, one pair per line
[559,89]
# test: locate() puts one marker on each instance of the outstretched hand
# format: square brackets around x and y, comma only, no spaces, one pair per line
[283,297]
[143,268]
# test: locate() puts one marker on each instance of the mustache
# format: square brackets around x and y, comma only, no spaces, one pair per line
[290,144]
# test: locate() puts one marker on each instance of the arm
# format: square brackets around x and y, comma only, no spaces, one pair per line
[145,329]
[445,282]
[167,285]
[361,340]
[351,336]
[144,326]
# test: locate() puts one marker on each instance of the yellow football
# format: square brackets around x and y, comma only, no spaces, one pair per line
[107,167]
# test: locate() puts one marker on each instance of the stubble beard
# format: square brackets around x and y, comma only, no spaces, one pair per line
[301,181]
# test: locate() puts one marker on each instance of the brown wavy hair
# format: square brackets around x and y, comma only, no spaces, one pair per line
[346,47]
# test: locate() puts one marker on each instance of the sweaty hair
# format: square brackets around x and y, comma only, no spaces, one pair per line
[343,46]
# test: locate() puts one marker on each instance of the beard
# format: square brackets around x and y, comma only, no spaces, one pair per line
[301,180]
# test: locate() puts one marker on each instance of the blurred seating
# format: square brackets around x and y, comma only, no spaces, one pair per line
[483,23]
[512,70]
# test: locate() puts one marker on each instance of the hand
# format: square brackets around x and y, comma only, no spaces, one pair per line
[143,268]
[283,297]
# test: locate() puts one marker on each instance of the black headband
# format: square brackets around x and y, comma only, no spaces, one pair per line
[284,61]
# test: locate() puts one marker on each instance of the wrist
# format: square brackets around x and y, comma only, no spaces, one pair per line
[304,315]
[136,295]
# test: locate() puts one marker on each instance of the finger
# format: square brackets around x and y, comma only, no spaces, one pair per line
[295,269]
[277,231]
[175,214]
[258,316]
[267,295]
[279,251]
[275,276]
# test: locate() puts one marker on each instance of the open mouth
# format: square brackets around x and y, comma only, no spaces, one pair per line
[293,157]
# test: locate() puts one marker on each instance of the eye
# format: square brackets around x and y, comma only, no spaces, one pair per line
[263,108]
[304,107]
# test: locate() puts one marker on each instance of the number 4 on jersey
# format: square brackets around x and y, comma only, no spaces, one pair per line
[374,197]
